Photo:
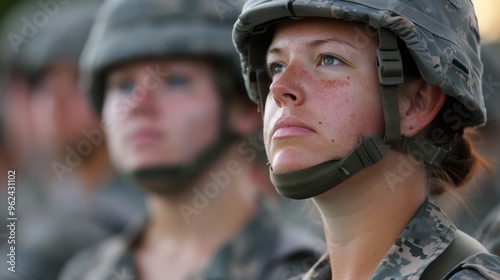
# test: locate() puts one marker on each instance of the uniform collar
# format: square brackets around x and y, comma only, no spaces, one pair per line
[423,239]
[247,249]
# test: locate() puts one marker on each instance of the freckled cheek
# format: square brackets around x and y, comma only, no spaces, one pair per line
[372,103]
[348,109]
[367,110]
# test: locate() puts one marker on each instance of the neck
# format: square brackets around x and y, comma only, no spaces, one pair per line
[364,215]
[209,212]
[95,169]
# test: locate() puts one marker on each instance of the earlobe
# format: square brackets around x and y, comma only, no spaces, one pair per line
[421,108]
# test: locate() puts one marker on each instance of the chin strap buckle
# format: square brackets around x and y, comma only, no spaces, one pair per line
[425,150]
[389,61]
[390,75]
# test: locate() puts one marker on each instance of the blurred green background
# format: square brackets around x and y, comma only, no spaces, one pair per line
[7,4]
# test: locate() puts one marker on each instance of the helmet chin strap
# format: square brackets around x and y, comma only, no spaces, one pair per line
[172,180]
[318,179]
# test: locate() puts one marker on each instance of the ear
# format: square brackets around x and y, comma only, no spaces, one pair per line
[244,119]
[419,107]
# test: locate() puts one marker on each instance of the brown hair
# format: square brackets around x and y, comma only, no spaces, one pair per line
[461,165]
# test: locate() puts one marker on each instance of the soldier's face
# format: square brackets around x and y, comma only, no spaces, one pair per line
[160,112]
[59,108]
[17,124]
[324,93]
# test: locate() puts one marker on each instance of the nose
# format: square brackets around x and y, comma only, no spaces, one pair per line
[287,88]
[142,100]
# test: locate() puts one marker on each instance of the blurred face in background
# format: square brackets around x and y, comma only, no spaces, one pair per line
[60,111]
[16,120]
[163,112]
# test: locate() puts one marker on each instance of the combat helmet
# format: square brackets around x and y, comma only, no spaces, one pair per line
[127,30]
[62,38]
[130,30]
[442,37]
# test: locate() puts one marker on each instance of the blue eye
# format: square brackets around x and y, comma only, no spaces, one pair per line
[126,86]
[177,81]
[278,68]
[275,68]
[328,60]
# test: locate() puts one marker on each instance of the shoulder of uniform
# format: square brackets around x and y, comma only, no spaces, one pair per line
[91,259]
[479,266]
[296,251]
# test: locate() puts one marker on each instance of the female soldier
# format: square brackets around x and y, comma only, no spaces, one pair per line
[157,71]
[329,79]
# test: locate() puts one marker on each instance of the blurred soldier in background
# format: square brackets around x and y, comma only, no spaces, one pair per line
[17,137]
[164,75]
[68,135]
[14,93]
[73,198]
[489,232]
[6,156]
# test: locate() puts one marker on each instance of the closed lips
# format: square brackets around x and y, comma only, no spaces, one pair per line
[291,127]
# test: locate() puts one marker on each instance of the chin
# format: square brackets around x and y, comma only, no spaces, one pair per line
[290,161]
[139,164]
[156,161]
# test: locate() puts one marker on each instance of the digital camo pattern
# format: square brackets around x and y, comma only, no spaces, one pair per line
[442,36]
[263,249]
[425,237]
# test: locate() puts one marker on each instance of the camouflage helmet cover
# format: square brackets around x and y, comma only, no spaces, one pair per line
[127,30]
[63,38]
[442,37]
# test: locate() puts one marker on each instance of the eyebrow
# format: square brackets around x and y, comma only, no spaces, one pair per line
[315,43]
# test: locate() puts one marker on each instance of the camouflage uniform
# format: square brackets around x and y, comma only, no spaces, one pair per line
[263,249]
[425,237]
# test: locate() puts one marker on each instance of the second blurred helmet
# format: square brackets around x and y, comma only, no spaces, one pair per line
[127,30]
